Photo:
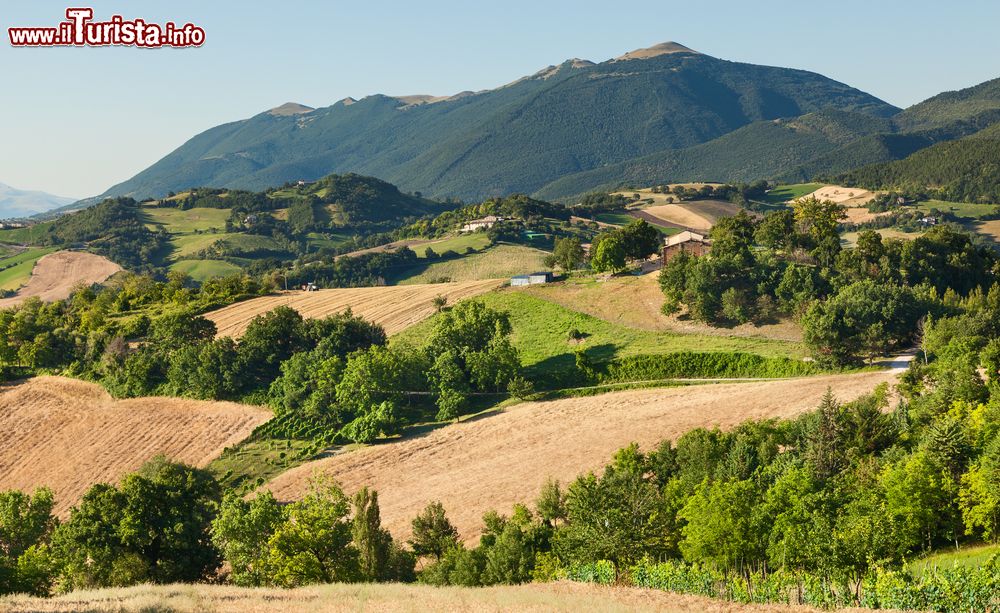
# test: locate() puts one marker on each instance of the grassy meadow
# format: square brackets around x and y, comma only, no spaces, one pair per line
[498,262]
[540,333]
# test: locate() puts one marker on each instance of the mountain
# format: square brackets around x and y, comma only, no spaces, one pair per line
[761,150]
[565,119]
[17,203]
[967,169]
[826,145]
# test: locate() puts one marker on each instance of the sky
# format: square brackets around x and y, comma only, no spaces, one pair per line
[75,121]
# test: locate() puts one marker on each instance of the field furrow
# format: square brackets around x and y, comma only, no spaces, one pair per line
[496,461]
[68,435]
[394,307]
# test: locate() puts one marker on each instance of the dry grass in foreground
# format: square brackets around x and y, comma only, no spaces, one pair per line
[68,435]
[395,307]
[56,274]
[498,460]
[391,598]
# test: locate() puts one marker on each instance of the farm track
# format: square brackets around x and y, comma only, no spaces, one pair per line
[496,460]
[395,307]
[68,434]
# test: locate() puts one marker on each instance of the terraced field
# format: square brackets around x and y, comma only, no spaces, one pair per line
[68,434]
[394,307]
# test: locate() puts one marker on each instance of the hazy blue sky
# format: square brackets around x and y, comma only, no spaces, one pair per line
[75,121]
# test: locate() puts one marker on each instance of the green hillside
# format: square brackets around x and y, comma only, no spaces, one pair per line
[960,170]
[563,120]
[760,150]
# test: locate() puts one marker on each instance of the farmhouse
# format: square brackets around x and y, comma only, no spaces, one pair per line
[689,242]
[483,223]
[533,279]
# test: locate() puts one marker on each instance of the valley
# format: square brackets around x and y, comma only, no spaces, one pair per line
[660,332]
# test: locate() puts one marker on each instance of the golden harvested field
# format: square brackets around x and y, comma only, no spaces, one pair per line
[394,307]
[55,276]
[68,434]
[497,460]
[848,196]
[561,596]
[635,302]
[697,215]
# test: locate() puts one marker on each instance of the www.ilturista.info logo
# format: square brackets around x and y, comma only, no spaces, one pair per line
[80,30]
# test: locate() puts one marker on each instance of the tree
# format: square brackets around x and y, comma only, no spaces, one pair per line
[639,240]
[777,230]
[154,527]
[313,544]
[373,542]
[181,327]
[439,302]
[242,531]
[26,522]
[433,534]
[608,254]
[732,237]
[721,525]
[619,516]
[920,500]
[568,253]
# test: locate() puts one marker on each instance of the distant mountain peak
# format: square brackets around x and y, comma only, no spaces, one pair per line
[25,203]
[666,48]
[291,108]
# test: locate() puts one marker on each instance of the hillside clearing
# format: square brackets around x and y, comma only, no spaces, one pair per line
[697,215]
[495,461]
[395,307]
[850,239]
[561,596]
[68,434]
[848,196]
[202,270]
[185,221]
[636,301]
[787,193]
[498,262]
[55,275]
[17,266]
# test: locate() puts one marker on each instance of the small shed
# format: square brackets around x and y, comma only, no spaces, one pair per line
[534,278]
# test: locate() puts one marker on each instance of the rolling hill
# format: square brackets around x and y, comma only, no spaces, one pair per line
[493,462]
[966,169]
[564,119]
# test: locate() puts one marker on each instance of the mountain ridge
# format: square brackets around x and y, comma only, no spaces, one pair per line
[518,137]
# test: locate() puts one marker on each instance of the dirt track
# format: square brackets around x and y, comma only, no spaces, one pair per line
[498,460]
[68,434]
[395,307]
[56,274]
